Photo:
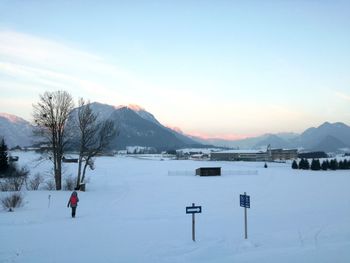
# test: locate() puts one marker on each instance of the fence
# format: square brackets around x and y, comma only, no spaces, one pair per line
[223,172]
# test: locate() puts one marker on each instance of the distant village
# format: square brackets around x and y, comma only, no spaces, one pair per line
[209,154]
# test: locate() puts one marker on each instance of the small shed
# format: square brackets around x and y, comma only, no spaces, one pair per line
[208,171]
[69,160]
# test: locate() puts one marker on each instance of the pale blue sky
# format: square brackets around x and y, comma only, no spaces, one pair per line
[214,68]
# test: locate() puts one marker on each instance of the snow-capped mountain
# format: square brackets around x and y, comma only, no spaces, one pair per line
[137,127]
[325,136]
[143,113]
[15,130]
[328,137]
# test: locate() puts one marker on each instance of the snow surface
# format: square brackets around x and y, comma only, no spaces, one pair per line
[133,211]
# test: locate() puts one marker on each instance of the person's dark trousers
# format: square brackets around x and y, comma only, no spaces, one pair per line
[73,211]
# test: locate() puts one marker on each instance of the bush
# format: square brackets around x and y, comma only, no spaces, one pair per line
[34,183]
[12,183]
[69,183]
[12,201]
[15,181]
[50,185]
[14,178]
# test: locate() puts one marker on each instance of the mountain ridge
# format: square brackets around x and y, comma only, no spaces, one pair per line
[328,137]
[137,127]
[141,128]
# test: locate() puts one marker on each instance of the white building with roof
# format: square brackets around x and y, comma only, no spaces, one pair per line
[254,155]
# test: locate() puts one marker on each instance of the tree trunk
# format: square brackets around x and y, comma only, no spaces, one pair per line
[58,177]
[79,170]
[84,170]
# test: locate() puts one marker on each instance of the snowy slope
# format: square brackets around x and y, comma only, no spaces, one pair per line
[137,127]
[134,211]
[15,130]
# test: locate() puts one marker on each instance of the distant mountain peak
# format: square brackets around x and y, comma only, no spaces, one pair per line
[325,124]
[335,124]
[133,107]
[12,118]
[15,130]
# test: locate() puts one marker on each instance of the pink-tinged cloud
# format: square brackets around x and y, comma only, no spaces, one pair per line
[204,136]
[229,137]
[133,107]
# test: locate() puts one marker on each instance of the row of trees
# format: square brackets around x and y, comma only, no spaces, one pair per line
[325,165]
[52,114]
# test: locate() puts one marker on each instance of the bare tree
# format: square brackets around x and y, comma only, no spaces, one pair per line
[94,137]
[51,114]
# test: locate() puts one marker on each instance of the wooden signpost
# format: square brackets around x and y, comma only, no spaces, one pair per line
[244,201]
[193,210]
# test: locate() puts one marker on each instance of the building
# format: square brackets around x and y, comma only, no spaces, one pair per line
[254,155]
[283,154]
[239,155]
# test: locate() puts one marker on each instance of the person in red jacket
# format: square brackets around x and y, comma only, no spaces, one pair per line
[73,202]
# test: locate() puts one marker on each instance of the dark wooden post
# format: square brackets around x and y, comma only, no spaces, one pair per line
[245,220]
[193,226]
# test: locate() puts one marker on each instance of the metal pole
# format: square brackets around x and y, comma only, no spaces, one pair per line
[49,201]
[245,219]
[193,226]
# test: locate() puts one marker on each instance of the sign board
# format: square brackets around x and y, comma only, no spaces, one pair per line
[244,201]
[193,209]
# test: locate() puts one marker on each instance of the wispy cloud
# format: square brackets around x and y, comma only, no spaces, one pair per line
[342,95]
[30,65]
[49,65]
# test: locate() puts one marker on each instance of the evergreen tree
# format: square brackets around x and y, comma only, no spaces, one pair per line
[295,165]
[341,165]
[346,164]
[306,165]
[4,165]
[315,165]
[301,164]
[325,165]
[333,165]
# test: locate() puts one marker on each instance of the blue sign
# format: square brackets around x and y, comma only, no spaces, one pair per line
[244,201]
[193,209]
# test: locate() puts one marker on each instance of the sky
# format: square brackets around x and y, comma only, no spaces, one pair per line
[223,69]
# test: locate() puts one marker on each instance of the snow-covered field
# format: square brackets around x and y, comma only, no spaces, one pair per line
[134,211]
